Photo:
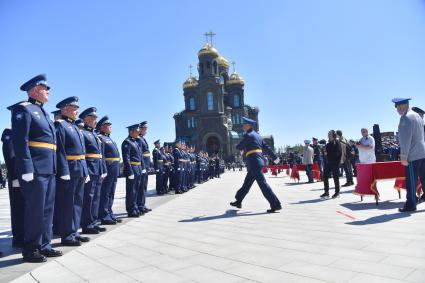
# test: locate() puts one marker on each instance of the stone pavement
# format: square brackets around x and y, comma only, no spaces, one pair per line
[197,237]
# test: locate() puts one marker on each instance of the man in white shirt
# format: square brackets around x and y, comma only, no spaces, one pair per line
[366,146]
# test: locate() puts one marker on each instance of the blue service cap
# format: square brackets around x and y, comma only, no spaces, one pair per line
[144,124]
[103,121]
[248,121]
[70,101]
[10,108]
[37,80]
[56,112]
[79,123]
[157,141]
[133,127]
[91,111]
[418,110]
[399,101]
[307,141]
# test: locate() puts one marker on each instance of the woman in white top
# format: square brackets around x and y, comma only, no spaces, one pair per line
[366,146]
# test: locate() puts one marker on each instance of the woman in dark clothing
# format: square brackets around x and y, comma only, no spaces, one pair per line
[333,155]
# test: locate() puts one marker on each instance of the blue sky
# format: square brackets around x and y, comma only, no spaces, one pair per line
[309,65]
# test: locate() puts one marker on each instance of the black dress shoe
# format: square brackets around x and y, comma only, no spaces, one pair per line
[273,210]
[51,253]
[133,215]
[178,192]
[346,185]
[108,222]
[71,243]
[236,204]
[100,229]
[145,210]
[90,231]
[117,220]
[34,257]
[336,195]
[82,239]
[325,195]
[407,209]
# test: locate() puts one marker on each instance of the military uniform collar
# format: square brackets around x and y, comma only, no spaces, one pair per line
[104,134]
[90,129]
[35,101]
[66,118]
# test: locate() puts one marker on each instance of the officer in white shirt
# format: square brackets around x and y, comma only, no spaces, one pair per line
[366,147]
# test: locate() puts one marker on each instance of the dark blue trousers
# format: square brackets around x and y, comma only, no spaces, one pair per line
[107,194]
[257,175]
[39,197]
[69,206]
[159,182]
[17,212]
[309,171]
[177,179]
[141,192]
[91,196]
[131,188]
[415,170]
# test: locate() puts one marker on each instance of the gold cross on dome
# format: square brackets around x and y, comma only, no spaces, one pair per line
[209,35]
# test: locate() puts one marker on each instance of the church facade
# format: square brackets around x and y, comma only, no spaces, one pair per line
[214,106]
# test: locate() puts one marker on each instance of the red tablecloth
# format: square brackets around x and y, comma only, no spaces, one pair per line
[275,168]
[301,167]
[369,173]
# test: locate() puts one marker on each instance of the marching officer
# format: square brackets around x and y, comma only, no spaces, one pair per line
[16,197]
[72,173]
[97,171]
[141,195]
[109,184]
[158,164]
[171,172]
[34,143]
[165,170]
[252,146]
[132,159]
[412,150]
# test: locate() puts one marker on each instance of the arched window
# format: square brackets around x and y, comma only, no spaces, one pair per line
[236,100]
[192,104]
[210,100]
[215,67]
[208,65]
[201,68]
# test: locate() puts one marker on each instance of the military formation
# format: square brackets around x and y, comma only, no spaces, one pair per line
[62,174]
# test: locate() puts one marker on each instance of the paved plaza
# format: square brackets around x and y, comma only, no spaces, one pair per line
[198,237]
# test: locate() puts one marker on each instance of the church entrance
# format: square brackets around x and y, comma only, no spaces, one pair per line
[213,145]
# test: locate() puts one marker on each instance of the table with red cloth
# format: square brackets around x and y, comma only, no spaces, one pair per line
[275,168]
[302,167]
[369,173]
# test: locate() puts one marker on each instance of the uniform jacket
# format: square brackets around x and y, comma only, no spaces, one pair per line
[145,153]
[177,155]
[93,145]
[252,141]
[70,142]
[158,159]
[110,151]
[411,137]
[131,153]
[32,124]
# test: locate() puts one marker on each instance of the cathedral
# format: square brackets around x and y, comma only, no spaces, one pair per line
[214,106]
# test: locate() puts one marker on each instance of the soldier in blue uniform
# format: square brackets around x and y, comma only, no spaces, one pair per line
[412,150]
[253,146]
[112,161]
[170,168]
[72,173]
[158,165]
[97,171]
[141,193]
[16,197]
[34,143]
[178,166]
[132,159]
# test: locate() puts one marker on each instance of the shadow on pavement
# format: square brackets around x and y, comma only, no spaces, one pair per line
[384,205]
[382,218]
[228,214]
[316,200]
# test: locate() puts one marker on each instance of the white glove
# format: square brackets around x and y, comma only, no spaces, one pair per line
[144,171]
[178,169]
[276,161]
[87,179]
[131,177]
[66,177]
[104,175]
[15,183]
[28,177]
[156,170]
